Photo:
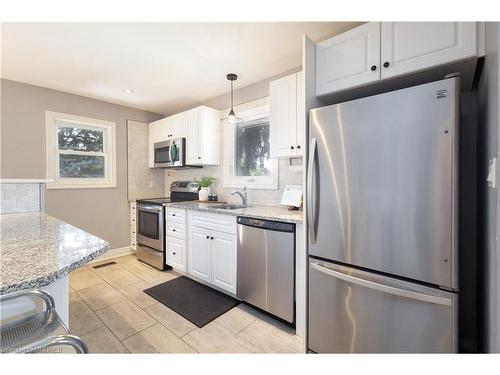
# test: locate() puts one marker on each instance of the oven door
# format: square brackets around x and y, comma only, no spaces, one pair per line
[150,226]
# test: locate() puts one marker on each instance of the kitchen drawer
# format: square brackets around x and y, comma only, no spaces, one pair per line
[220,223]
[133,220]
[176,230]
[175,254]
[177,215]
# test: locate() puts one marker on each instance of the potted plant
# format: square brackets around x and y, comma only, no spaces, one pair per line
[205,183]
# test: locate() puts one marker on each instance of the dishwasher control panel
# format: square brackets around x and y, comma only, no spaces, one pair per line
[267,224]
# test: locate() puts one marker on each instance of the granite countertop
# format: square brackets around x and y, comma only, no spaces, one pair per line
[275,213]
[37,249]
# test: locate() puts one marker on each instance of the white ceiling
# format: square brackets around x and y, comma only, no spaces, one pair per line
[170,66]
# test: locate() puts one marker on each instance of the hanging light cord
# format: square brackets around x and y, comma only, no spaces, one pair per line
[231,94]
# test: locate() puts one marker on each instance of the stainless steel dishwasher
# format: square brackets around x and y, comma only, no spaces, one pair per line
[266,266]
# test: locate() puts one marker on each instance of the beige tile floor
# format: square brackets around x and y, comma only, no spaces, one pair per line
[112,314]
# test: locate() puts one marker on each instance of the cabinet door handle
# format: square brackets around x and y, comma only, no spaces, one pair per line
[373,68]
[173,230]
[291,147]
[174,253]
[173,214]
[298,147]
[208,237]
[386,64]
[211,238]
[199,157]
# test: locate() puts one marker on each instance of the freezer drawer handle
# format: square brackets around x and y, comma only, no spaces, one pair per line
[382,288]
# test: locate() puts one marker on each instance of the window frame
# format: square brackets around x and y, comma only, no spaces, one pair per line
[52,152]
[230,180]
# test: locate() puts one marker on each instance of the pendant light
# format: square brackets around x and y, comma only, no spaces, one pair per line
[231,117]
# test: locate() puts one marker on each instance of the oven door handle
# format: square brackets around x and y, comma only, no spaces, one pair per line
[149,208]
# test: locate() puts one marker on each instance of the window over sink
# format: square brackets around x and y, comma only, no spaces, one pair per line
[80,152]
[247,160]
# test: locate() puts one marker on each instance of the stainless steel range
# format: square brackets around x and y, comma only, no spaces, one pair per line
[151,222]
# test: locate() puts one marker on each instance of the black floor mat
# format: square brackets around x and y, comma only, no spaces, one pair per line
[196,302]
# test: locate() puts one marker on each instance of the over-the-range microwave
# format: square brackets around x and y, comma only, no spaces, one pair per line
[170,154]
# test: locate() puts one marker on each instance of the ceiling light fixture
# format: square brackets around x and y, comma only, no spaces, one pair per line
[128,91]
[231,117]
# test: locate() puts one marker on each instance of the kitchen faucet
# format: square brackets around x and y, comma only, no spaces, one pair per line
[243,194]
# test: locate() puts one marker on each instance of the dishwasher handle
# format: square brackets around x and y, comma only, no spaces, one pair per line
[277,226]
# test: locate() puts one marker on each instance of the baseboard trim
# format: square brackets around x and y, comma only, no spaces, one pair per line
[115,253]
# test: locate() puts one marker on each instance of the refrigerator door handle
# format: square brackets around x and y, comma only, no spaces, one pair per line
[381,287]
[311,191]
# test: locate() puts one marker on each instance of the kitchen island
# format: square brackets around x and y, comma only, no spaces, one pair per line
[38,251]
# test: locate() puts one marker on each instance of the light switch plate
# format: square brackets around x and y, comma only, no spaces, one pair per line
[492,173]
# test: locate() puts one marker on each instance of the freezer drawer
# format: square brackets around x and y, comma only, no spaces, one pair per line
[352,311]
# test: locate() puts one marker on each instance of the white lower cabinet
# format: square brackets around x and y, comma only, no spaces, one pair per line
[200,253]
[175,254]
[212,253]
[133,226]
[175,239]
[224,261]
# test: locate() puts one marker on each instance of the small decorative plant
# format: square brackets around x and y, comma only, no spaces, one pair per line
[206,181]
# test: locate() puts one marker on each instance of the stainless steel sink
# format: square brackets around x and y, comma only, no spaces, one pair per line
[229,206]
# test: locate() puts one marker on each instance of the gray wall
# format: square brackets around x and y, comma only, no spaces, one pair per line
[245,94]
[489,123]
[103,212]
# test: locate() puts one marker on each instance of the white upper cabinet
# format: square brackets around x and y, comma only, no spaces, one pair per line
[202,136]
[413,46]
[376,51]
[287,116]
[201,128]
[349,59]
[177,125]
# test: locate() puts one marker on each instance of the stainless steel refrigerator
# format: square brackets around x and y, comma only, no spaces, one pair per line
[382,218]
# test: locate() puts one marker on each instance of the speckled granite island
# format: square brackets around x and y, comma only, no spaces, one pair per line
[275,213]
[38,251]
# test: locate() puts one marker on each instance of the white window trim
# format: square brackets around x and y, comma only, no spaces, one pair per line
[251,182]
[52,153]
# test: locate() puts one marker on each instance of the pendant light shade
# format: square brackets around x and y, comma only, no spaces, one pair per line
[231,117]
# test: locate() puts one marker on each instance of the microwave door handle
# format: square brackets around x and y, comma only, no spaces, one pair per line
[381,287]
[171,145]
[311,192]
